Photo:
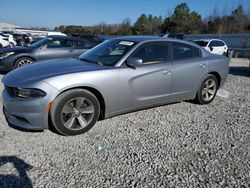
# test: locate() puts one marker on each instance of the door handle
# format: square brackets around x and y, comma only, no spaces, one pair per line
[202,65]
[71,51]
[166,72]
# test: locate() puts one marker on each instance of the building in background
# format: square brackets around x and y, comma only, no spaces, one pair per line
[8,27]
[19,29]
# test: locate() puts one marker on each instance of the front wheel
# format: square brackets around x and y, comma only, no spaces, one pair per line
[23,61]
[207,90]
[75,112]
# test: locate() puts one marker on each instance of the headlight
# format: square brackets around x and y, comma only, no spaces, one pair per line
[24,92]
[5,55]
[29,93]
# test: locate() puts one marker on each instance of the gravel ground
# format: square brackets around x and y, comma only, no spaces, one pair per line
[178,145]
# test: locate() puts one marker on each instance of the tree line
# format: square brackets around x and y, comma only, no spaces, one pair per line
[182,20]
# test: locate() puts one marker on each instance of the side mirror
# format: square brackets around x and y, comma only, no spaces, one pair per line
[211,48]
[133,62]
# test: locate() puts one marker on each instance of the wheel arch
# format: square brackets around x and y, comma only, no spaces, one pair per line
[217,75]
[98,95]
[25,55]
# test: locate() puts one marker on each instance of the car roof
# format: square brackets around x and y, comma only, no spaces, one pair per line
[207,40]
[150,38]
[64,37]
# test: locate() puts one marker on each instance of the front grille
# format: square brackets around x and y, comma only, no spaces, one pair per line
[12,91]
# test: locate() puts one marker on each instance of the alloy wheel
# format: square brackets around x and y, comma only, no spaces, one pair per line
[77,113]
[24,62]
[208,90]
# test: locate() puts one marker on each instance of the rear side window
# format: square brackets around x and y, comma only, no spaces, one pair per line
[216,43]
[61,43]
[182,51]
[84,44]
[152,52]
[201,43]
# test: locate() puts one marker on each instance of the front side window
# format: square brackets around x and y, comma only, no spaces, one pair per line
[152,52]
[182,51]
[108,53]
[60,43]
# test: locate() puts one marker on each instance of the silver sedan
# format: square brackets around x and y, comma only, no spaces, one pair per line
[118,76]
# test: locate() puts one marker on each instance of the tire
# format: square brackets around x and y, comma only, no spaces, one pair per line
[207,90]
[225,54]
[67,112]
[22,61]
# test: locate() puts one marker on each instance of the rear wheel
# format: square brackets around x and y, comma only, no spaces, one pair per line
[23,61]
[207,90]
[75,112]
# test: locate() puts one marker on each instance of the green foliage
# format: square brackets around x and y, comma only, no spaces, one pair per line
[182,20]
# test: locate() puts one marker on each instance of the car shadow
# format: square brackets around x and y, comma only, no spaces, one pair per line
[12,180]
[240,71]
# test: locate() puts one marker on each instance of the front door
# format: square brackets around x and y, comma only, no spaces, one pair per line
[57,48]
[148,84]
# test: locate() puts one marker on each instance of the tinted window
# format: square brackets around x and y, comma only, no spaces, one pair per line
[61,43]
[216,43]
[201,43]
[84,44]
[153,52]
[183,51]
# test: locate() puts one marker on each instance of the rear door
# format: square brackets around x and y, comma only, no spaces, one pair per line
[57,48]
[188,70]
[148,84]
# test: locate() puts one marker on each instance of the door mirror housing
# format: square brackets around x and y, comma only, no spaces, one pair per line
[133,62]
[211,48]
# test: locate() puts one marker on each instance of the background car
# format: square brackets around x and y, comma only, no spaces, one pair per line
[4,42]
[118,76]
[214,46]
[96,39]
[174,35]
[48,48]
[22,39]
[9,38]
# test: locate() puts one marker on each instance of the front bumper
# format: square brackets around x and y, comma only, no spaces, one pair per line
[29,114]
[25,114]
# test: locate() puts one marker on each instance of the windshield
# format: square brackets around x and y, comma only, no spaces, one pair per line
[38,43]
[108,53]
[201,43]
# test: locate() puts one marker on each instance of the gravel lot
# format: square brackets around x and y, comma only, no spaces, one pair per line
[179,145]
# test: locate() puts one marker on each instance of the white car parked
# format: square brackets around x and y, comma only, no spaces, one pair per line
[3,42]
[214,46]
[7,40]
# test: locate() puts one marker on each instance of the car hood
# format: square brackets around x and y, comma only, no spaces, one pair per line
[16,50]
[46,69]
